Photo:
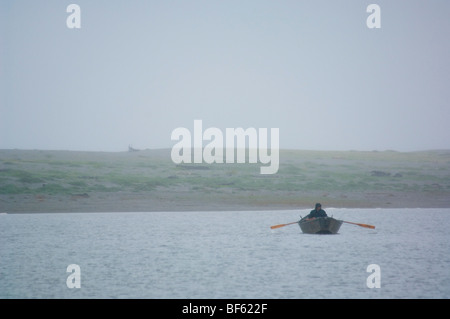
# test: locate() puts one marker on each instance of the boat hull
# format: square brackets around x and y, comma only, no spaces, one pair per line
[321,225]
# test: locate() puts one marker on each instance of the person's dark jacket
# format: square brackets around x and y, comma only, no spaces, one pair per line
[317,213]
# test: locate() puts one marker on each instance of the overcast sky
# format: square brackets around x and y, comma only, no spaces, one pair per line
[136,70]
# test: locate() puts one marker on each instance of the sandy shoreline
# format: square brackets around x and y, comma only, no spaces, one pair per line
[132,202]
[66,181]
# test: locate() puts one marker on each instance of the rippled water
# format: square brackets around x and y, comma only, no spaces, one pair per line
[224,255]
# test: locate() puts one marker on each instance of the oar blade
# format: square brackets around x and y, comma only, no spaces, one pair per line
[282,225]
[277,226]
[362,225]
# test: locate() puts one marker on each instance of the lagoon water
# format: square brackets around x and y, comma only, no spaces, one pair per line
[225,255]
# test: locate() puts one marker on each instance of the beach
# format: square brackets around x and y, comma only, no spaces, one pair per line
[36,181]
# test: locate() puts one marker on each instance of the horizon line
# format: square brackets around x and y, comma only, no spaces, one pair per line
[169,148]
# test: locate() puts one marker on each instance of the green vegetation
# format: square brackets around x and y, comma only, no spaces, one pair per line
[301,173]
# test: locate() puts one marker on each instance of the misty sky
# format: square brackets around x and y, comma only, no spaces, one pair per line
[136,70]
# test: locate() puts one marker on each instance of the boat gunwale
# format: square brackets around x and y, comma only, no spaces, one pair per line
[329,228]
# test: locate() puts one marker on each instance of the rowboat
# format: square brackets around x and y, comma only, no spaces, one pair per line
[320,225]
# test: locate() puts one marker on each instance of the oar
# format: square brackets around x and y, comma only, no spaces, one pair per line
[362,225]
[282,225]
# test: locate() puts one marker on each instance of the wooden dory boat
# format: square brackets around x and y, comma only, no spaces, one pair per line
[320,225]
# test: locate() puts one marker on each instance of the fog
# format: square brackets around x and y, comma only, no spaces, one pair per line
[137,70]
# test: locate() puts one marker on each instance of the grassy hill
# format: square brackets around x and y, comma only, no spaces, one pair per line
[148,180]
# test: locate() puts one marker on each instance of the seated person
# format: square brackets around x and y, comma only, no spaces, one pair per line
[317,212]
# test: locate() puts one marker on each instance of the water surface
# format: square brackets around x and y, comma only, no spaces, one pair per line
[224,255]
